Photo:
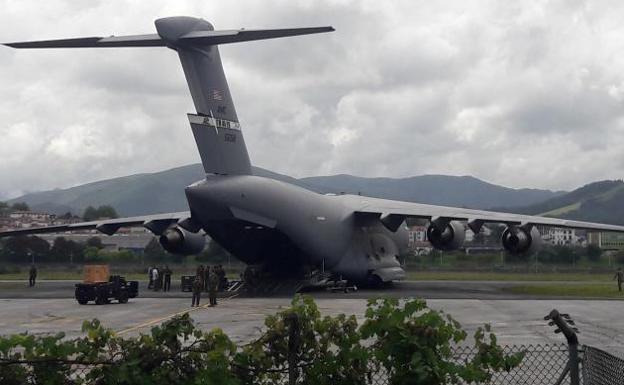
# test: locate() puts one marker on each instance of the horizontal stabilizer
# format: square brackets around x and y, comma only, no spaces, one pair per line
[240,35]
[151,40]
[154,40]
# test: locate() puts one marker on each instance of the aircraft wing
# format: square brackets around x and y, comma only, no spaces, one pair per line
[156,223]
[392,213]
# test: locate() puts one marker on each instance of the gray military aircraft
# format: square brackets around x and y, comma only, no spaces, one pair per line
[276,225]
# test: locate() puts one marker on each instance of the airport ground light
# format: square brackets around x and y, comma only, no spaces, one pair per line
[398,343]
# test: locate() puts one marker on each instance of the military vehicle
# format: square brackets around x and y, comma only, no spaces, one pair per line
[116,288]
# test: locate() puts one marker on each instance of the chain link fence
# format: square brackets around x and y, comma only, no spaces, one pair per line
[543,364]
[600,367]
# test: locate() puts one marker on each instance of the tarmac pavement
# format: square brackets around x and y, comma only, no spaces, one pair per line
[50,308]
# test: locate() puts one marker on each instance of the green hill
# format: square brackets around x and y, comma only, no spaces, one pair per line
[596,202]
[164,191]
[458,191]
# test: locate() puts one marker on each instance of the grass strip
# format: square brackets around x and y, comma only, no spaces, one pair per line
[596,290]
[495,276]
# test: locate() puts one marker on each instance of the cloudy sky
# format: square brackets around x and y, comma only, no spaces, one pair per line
[523,94]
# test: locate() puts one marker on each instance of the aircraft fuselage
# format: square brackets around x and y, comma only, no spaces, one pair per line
[264,221]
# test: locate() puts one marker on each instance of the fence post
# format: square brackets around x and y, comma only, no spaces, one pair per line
[293,348]
[563,322]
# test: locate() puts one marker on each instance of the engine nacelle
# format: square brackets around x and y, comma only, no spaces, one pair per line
[446,236]
[518,240]
[177,240]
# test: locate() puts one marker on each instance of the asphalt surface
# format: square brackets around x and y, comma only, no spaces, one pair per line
[406,289]
[50,308]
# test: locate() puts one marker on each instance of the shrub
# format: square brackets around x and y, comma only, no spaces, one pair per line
[407,340]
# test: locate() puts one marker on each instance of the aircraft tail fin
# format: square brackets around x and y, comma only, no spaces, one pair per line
[215,125]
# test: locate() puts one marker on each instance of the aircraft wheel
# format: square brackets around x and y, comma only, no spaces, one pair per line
[375,281]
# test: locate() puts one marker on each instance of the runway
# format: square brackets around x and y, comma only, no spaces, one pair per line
[405,289]
[50,308]
[514,321]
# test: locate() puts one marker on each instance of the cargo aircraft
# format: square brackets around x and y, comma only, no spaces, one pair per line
[271,224]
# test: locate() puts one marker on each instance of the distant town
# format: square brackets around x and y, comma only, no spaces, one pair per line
[19,216]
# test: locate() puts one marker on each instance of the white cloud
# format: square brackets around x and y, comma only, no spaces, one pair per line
[520,94]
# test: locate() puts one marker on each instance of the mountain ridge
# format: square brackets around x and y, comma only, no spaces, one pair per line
[601,201]
[163,191]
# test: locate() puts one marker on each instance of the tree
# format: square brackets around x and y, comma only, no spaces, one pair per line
[64,250]
[67,216]
[105,211]
[3,205]
[17,249]
[90,214]
[20,206]
[413,343]
[92,255]
[593,253]
[95,242]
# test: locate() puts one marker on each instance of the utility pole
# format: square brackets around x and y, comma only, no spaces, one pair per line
[536,263]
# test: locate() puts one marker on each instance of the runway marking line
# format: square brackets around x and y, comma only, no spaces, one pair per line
[161,319]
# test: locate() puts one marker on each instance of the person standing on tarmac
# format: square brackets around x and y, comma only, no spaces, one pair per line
[32,275]
[222,278]
[619,275]
[197,289]
[150,285]
[155,279]
[167,275]
[213,283]
[207,278]
[200,273]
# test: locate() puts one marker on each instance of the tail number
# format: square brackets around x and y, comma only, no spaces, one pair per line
[230,138]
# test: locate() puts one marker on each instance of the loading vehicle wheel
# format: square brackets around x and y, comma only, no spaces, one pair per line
[123,297]
[101,298]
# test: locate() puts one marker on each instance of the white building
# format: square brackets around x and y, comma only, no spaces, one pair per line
[30,219]
[561,237]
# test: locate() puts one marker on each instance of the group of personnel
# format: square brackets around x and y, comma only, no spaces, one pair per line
[211,279]
[159,278]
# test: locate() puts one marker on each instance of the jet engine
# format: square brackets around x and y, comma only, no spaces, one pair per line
[446,235]
[177,240]
[519,240]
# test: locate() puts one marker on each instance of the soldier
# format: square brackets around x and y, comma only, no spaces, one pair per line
[150,285]
[619,275]
[213,283]
[32,276]
[167,274]
[222,278]
[207,278]
[200,273]
[197,289]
